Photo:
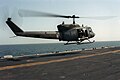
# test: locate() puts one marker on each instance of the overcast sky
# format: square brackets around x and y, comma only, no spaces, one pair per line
[105,30]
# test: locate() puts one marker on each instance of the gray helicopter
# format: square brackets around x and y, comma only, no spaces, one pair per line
[71,33]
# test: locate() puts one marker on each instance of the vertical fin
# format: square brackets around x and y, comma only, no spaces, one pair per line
[13,26]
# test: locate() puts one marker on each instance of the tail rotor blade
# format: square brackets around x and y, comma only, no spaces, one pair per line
[15,17]
[4,14]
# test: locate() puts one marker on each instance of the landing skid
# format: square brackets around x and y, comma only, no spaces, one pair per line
[79,42]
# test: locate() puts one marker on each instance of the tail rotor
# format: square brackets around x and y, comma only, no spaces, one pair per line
[6,13]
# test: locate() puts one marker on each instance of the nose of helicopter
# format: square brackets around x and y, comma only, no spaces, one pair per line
[92,35]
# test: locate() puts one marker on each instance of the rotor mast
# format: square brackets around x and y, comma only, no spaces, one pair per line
[74,18]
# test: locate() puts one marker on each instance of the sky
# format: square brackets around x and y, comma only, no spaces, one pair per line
[105,30]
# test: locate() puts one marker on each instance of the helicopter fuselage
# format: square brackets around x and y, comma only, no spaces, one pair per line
[74,32]
[66,32]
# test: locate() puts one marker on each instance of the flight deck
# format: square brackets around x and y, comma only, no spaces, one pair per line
[91,64]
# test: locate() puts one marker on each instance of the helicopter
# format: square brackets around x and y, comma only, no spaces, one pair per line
[66,32]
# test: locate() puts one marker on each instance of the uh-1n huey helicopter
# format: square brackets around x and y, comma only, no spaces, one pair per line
[66,32]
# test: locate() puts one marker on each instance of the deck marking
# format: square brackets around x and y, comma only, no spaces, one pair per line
[55,61]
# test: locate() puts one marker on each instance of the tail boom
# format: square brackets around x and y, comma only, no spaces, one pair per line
[37,34]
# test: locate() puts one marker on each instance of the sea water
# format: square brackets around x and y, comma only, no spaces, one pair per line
[28,49]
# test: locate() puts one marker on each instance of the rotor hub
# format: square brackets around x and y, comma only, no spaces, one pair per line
[9,19]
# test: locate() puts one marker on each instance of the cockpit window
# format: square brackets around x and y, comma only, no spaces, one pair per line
[90,29]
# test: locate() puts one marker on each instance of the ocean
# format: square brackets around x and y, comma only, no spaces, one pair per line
[28,49]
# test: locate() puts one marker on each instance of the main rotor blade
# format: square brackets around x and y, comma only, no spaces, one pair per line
[29,13]
[100,17]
